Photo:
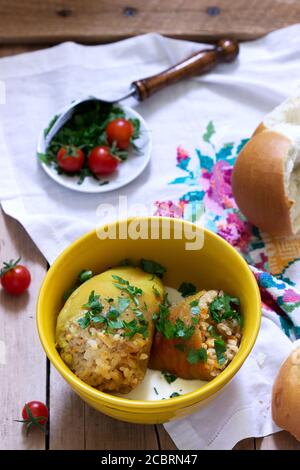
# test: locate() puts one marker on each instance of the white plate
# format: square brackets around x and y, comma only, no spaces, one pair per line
[127,171]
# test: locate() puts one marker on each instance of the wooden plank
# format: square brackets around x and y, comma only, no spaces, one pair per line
[165,441]
[66,415]
[53,21]
[74,425]
[13,49]
[103,432]
[245,444]
[279,441]
[22,361]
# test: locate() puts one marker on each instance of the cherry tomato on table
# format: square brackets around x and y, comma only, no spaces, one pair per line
[15,278]
[35,414]
[101,162]
[120,131]
[70,159]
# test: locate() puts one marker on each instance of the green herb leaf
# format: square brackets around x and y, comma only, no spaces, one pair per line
[212,331]
[195,310]
[124,285]
[84,321]
[85,275]
[84,130]
[174,395]
[136,123]
[115,324]
[67,293]
[94,307]
[44,158]
[196,355]
[112,313]
[169,377]
[120,280]
[133,327]
[156,292]
[220,348]
[50,125]
[186,289]
[169,329]
[152,267]
[223,307]
[123,304]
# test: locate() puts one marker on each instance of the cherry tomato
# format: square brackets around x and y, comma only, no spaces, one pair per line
[101,162]
[35,413]
[120,131]
[70,159]
[15,278]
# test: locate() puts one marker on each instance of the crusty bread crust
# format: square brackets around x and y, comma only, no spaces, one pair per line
[258,181]
[286,395]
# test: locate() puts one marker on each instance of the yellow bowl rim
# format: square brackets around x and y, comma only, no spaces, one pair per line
[182,401]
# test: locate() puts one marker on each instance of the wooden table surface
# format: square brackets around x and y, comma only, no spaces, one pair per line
[25,372]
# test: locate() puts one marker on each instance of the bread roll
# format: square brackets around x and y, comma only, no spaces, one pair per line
[286,395]
[266,176]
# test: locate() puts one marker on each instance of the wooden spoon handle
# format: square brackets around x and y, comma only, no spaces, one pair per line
[201,62]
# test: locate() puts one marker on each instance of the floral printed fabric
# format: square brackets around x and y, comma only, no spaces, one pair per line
[208,199]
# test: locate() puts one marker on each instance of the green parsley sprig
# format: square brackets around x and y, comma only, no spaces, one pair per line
[169,329]
[224,307]
[187,288]
[124,285]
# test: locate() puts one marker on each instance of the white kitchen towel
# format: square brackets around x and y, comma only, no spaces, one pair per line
[193,123]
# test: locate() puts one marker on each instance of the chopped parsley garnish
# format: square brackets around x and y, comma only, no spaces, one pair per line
[224,307]
[212,331]
[169,377]
[111,318]
[196,355]
[94,308]
[156,292]
[174,395]
[133,327]
[195,310]
[169,329]
[152,267]
[51,124]
[123,303]
[155,389]
[220,348]
[83,276]
[124,285]
[186,289]
[85,130]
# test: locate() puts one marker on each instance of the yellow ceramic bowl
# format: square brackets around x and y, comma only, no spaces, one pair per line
[215,266]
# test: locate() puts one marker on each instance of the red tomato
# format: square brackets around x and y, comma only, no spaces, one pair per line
[70,159]
[101,162]
[120,131]
[35,413]
[15,278]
